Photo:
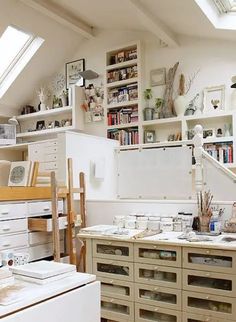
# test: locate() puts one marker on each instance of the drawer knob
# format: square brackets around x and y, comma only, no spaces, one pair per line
[156,268]
[111,281]
[156,309]
[155,247]
[207,252]
[110,243]
[208,319]
[207,297]
[111,300]
[208,274]
[156,288]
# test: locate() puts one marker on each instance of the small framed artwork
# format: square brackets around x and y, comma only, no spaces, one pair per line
[208,133]
[214,99]
[40,125]
[7,134]
[19,174]
[149,136]
[72,73]
[158,77]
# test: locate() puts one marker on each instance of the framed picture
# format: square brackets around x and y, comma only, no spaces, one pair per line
[149,136]
[40,125]
[72,73]
[158,77]
[214,99]
[7,134]
[208,133]
[19,174]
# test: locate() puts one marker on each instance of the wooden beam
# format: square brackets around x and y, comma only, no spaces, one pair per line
[62,16]
[153,24]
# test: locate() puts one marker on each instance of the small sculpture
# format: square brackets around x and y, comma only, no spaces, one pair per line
[192,107]
[215,103]
[42,94]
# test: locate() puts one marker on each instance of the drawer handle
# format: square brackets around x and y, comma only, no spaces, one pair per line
[207,297]
[6,228]
[156,309]
[111,300]
[155,268]
[156,288]
[155,247]
[208,274]
[6,244]
[208,319]
[5,212]
[46,208]
[110,243]
[111,281]
[207,252]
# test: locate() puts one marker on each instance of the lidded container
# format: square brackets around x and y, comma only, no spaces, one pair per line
[153,223]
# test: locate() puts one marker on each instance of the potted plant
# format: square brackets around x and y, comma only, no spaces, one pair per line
[158,104]
[148,111]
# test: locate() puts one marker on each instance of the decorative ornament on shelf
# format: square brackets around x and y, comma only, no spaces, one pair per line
[181,102]
[43,96]
[158,105]
[167,109]
[192,107]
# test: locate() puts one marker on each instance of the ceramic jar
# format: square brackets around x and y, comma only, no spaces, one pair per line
[180,105]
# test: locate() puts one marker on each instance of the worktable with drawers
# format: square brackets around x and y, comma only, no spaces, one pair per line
[170,280]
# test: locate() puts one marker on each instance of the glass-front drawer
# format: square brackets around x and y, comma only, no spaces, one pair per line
[213,305]
[209,282]
[157,254]
[117,310]
[113,250]
[148,313]
[158,296]
[118,289]
[158,275]
[113,269]
[188,317]
[210,260]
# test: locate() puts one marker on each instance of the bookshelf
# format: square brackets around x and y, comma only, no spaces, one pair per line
[222,146]
[123,94]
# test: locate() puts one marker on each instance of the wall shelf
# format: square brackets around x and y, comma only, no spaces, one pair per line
[124,64]
[121,104]
[122,82]
[123,126]
[47,113]
[44,132]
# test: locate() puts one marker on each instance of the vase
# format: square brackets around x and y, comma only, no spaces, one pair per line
[204,223]
[180,105]
[148,113]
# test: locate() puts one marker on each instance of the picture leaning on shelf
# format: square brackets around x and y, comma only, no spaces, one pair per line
[93,103]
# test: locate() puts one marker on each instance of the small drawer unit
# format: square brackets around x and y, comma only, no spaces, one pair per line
[148,313]
[13,226]
[117,310]
[13,211]
[113,269]
[42,251]
[188,317]
[116,288]
[158,296]
[45,223]
[43,207]
[209,282]
[41,237]
[113,250]
[158,275]
[221,307]
[210,260]
[158,254]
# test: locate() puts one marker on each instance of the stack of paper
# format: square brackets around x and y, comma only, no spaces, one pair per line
[43,272]
[6,277]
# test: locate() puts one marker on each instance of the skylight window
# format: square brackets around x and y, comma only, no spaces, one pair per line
[225,6]
[16,49]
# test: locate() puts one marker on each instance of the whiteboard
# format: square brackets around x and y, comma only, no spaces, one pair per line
[158,173]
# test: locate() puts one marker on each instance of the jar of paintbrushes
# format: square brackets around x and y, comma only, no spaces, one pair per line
[204,200]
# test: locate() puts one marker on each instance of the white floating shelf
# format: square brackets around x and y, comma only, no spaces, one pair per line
[218,139]
[52,112]
[163,121]
[122,104]
[209,116]
[123,126]
[124,64]
[122,82]
[44,132]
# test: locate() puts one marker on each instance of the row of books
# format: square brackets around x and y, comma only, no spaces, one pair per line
[125,137]
[122,116]
[123,56]
[122,74]
[221,152]
[123,94]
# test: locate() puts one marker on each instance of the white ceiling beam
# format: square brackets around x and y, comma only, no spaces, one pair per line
[154,25]
[61,16]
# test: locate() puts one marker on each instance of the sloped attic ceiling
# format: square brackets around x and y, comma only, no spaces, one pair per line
[60,44]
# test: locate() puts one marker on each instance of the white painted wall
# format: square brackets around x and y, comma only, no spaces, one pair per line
[103,212]
[214,58]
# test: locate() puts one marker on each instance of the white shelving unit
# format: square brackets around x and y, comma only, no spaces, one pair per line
[123,71]
[73,112]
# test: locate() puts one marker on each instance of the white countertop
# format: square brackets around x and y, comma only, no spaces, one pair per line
[170,238]
[33,293]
